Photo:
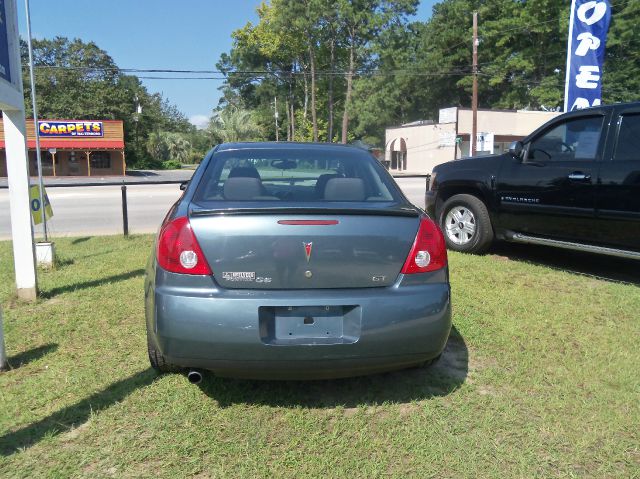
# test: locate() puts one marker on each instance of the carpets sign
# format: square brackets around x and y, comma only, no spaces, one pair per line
[58,129]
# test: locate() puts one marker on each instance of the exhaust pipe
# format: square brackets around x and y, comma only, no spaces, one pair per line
[194,377]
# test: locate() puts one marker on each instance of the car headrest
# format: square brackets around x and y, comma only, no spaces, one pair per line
[344,189]
[244,171]
[242,188]
[321,183]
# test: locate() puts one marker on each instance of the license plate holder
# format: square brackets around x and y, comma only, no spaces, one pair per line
[309,324]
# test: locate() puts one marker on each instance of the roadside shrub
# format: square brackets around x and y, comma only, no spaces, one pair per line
[171,165]
[195,158]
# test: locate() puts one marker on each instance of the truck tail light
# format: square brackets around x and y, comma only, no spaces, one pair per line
[429,251]
[178,249]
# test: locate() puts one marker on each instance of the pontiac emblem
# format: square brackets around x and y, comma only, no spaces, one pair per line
[307,249]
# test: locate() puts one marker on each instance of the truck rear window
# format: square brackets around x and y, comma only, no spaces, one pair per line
[628,145]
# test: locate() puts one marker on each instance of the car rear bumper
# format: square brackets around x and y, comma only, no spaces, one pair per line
[262,333]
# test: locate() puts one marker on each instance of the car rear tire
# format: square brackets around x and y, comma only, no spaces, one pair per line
[157,360]
[466,224]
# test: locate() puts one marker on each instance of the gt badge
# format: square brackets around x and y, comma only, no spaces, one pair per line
[307,249]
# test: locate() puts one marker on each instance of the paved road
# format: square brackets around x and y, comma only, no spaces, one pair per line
[97,210]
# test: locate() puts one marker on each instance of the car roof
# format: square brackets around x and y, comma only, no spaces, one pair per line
[288,145]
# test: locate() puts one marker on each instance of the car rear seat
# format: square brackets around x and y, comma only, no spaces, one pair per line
[321,183]
[344,189]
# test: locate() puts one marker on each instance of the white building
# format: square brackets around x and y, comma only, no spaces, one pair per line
[419,146]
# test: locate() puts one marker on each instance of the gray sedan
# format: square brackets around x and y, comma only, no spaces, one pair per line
[295,261]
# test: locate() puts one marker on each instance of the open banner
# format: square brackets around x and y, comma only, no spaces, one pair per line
[588,28]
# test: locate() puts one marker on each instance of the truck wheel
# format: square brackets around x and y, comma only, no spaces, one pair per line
[157,360]
[466,225]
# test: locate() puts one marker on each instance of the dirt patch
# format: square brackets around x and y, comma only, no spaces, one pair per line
[487,391]
[454,361]
[53,302]
[350,411]
[408,409]
[75,432]
[478,363]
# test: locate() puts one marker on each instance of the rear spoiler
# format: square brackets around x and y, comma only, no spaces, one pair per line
[407,211]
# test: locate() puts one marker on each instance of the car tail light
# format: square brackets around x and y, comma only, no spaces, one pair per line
[429,252]
[178,249]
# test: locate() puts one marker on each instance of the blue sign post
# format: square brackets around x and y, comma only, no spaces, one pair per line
[5,68]
[588,28]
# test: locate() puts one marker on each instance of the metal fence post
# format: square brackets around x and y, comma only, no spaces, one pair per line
[125,213]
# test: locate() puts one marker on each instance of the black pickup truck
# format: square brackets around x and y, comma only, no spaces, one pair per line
[573,183]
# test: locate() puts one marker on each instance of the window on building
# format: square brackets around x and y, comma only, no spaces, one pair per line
[100,159]
[628,145]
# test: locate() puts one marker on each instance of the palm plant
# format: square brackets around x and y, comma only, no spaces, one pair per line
[234,124]
[165,145]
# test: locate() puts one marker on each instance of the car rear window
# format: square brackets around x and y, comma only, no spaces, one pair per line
[294,176]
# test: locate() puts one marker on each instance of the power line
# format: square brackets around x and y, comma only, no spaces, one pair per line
[220,75]
[245,72]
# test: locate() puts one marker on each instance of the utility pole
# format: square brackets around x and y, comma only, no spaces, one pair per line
[474,100]
[275,115]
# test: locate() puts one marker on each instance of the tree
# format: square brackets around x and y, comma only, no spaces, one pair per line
[365,60]
[234,124]
[73,80]
[363,20]
[620,80]
[387,97]
[273,56]
[289,43]
[79,80]
[164,146]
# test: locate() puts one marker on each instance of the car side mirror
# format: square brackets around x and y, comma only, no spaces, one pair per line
[516,148]
[183,185]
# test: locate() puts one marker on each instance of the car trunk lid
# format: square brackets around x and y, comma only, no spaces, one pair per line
[271,248]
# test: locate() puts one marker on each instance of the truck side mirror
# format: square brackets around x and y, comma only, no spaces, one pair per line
[183,185]
[516,148]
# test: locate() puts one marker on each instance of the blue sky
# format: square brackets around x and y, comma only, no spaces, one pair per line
[187,35]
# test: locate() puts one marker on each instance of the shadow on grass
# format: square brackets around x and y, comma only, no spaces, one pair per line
[92,284]
[34,354]
[93,255]
[81,239]
[608,268]
[62,262]
[75,414]
[404,386]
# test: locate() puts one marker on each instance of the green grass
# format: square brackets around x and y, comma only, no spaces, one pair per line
[539,380]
